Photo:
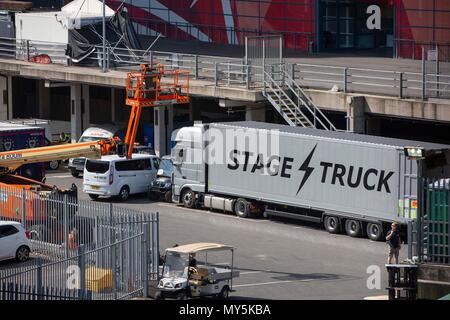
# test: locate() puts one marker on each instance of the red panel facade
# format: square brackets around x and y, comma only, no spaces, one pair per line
[415,22]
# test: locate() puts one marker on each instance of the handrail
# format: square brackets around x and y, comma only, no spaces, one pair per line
[268,76]
[309,103]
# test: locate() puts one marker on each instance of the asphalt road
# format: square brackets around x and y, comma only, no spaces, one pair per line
[278,259]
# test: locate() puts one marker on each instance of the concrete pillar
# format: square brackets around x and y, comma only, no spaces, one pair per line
[86,107]
[75,112]
[163,119]
[4,100]
[113,105]
[194,110]
[43,95]
[356,119]
[10,97]
[255,112]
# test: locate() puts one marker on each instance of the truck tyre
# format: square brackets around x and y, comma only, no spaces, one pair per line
[124,193]
[53,165]
[224,293]
[242,208]
[75,174]
[188,198]
[93,196]
[353,228]
[168,196]
[332,224]
[375,231]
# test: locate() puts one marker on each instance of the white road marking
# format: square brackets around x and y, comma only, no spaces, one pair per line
[250,272]
[60,177]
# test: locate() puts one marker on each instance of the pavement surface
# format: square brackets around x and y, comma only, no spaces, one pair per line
[278,259]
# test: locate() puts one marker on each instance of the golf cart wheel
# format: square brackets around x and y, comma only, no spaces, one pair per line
[188,198]
[93,196]
[75,174]
[168,196]
[353,228]
[182,296]
[124,193]
[332,224]
[23,254]
[53,165]
[375,231]
[242,208]
[225,293]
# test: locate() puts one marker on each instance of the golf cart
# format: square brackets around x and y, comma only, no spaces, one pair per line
[182,277]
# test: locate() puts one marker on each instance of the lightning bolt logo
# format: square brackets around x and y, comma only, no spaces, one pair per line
[306,168]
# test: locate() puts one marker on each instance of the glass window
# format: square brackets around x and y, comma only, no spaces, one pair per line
[97,166]
[7,231]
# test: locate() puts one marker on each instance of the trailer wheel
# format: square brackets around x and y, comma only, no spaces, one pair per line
[188,198]
[242,208]
[353,228]
[332,224]
[375,231]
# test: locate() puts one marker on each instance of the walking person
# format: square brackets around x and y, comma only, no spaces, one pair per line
[394,242]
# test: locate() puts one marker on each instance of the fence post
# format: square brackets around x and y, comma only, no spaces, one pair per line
[216,80]
[113,250]
[247,71]
[144,255]
[400,88]
[151,57]
[196,67]
[28,49]
[345,79]
[66,227]
[39,287]
[410,238]
[424,78]
[24,208]
[293,72]
[82,268]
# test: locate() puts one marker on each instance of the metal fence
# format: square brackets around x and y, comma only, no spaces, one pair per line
[430,233]
[235,72]
[80,249]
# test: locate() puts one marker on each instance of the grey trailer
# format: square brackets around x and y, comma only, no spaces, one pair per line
[349,182]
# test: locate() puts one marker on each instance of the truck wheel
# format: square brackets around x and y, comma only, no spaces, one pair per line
[332,224]
[353,228]
[93,196]
[242,208]
[188,198]
[168,196]
[224,293]
[75,174]
[53,165]
[375,231]
[124,193]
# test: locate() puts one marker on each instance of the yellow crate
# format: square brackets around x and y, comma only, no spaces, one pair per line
[97,280]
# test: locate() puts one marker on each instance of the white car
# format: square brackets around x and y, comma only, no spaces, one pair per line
[14,241]
[115,176]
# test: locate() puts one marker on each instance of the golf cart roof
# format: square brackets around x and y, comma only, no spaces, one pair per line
[198,247]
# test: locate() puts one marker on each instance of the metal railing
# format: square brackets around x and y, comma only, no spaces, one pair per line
[233,72]
[99,241]
[431,231]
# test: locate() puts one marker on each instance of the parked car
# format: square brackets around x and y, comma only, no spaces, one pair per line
[14,241]
[116,176]
[161,187]
[76,165]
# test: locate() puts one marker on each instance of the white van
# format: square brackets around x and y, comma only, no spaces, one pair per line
[117,176]
[76,165]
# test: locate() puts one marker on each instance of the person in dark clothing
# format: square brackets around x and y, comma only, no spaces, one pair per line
[193,261]
[394,241]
